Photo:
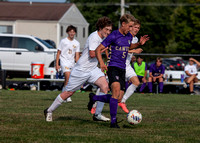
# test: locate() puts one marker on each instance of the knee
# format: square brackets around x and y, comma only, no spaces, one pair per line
[150,79]
[104,88]
[137,83]
[161,79]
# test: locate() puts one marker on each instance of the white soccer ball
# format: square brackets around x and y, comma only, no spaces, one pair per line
[134,117]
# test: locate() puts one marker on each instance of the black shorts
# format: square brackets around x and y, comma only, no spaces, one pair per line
[116,74]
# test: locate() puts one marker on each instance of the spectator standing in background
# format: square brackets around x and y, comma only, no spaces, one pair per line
[191,73]
[156,72]
[68,53]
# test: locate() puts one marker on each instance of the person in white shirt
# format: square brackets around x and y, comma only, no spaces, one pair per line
[191,73]
[86,70]
[68,53]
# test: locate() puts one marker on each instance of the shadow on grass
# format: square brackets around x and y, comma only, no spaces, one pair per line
[82,121]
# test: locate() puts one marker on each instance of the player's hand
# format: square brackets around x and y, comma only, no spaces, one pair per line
[138,50]
[144,39]
[191,59]
[103,67]
[57,68]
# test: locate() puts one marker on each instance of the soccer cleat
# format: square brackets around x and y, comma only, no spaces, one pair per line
[114,125]
[192,93]
[69,99]
[48,116]
[91,102]
[123,106]
[100,118]
[93,110]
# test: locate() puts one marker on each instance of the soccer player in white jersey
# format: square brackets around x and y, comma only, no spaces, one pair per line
[130,73]
[86,69]
[68,52]
[191,73]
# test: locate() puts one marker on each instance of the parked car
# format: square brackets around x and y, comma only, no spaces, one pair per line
[17,52]
[177,63]
[168,66]
[51,42]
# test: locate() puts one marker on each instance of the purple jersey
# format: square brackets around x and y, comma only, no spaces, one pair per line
[118,48]
[156,71]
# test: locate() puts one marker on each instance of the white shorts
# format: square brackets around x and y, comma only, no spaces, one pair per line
[66,67]
[77,78]
[130,72]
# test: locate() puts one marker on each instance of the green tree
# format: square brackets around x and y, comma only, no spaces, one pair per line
[185,30]
[167,26]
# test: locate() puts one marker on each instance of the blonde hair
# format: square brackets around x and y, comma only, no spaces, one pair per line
[127,18]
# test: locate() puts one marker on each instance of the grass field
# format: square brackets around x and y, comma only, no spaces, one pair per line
[166,118]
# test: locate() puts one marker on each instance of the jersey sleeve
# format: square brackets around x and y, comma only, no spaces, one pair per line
[93,43]
[109,40]
[134,40]
[186,68]
[150,68]
[60,46]
[163,69]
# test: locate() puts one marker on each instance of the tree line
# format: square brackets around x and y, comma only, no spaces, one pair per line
[173,29]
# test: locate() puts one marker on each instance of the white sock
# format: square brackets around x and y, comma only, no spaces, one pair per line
[57,102]
[98,91]
[100,105]
[130,90]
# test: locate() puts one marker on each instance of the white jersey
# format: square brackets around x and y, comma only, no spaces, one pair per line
[130,55]
[192,69]
[86,63]
[68,49]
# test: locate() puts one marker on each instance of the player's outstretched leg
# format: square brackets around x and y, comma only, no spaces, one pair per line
[93,98]
[128,93]
[69,100]
[48,116]
[57,102]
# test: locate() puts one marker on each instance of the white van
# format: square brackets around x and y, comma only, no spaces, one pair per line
[17,52]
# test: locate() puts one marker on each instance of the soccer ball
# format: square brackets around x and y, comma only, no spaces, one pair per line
[134,117]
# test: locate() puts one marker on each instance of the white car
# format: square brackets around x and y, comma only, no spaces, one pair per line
[17,52]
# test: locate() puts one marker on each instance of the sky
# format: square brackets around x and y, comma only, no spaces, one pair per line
[57,1]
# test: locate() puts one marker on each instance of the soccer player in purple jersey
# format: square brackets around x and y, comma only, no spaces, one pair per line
[156,72]
[119,42]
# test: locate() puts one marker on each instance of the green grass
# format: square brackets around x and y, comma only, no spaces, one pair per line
[166,118]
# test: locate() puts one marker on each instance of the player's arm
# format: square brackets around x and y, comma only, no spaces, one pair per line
[160,76]
[106,52]
[143,40]
[145,74]
[150,74]
[98,52]
[77,56]
[137,51]
[162,73]
[57,60]
[194,60]
[187,73]
[92,53]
